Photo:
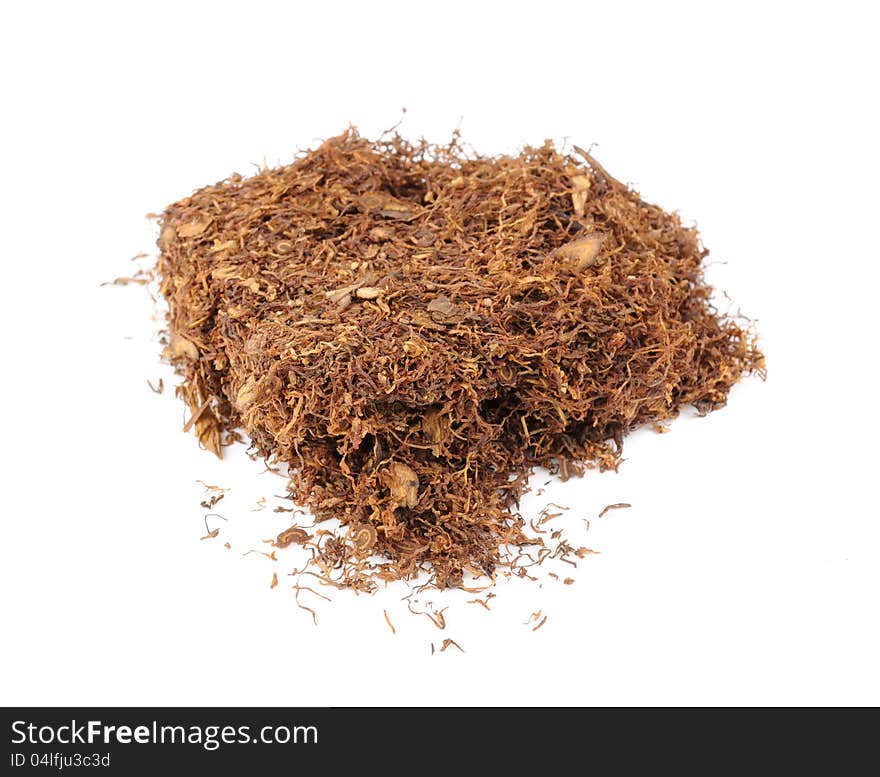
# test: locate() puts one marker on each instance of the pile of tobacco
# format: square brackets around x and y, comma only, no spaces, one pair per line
[413,328]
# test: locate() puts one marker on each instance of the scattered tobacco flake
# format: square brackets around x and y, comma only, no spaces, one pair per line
[211,533]
[211,501]
[390,624]
[449,643]
[138,279]
[209,488]
[435,616]
[271,556]
[299,589]
[413,328]
[158,388]
[274,583]
[615,506]
[535,616]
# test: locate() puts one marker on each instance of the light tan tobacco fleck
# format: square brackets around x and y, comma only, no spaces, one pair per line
[403,484]
[581,253]
[192,228]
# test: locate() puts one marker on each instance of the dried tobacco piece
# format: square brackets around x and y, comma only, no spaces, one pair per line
[291,535]
[402,484]
[615,506]
[414,328]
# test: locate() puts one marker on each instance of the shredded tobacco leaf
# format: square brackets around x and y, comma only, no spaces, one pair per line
[616,506]
[211,533]
[414,328]
[211,501]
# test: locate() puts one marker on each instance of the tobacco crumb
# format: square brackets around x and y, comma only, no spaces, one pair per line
[209,503]
[449,643]
[414,328]
[274,582]
[390,624]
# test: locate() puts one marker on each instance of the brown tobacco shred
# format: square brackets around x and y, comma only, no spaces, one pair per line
[209,488]
[535,616]
[211,533]
[390,624]
[436,617]
[616,506]
[414,328]
[125,281]
[209,503]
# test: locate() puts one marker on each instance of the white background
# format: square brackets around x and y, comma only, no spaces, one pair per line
[746,571]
